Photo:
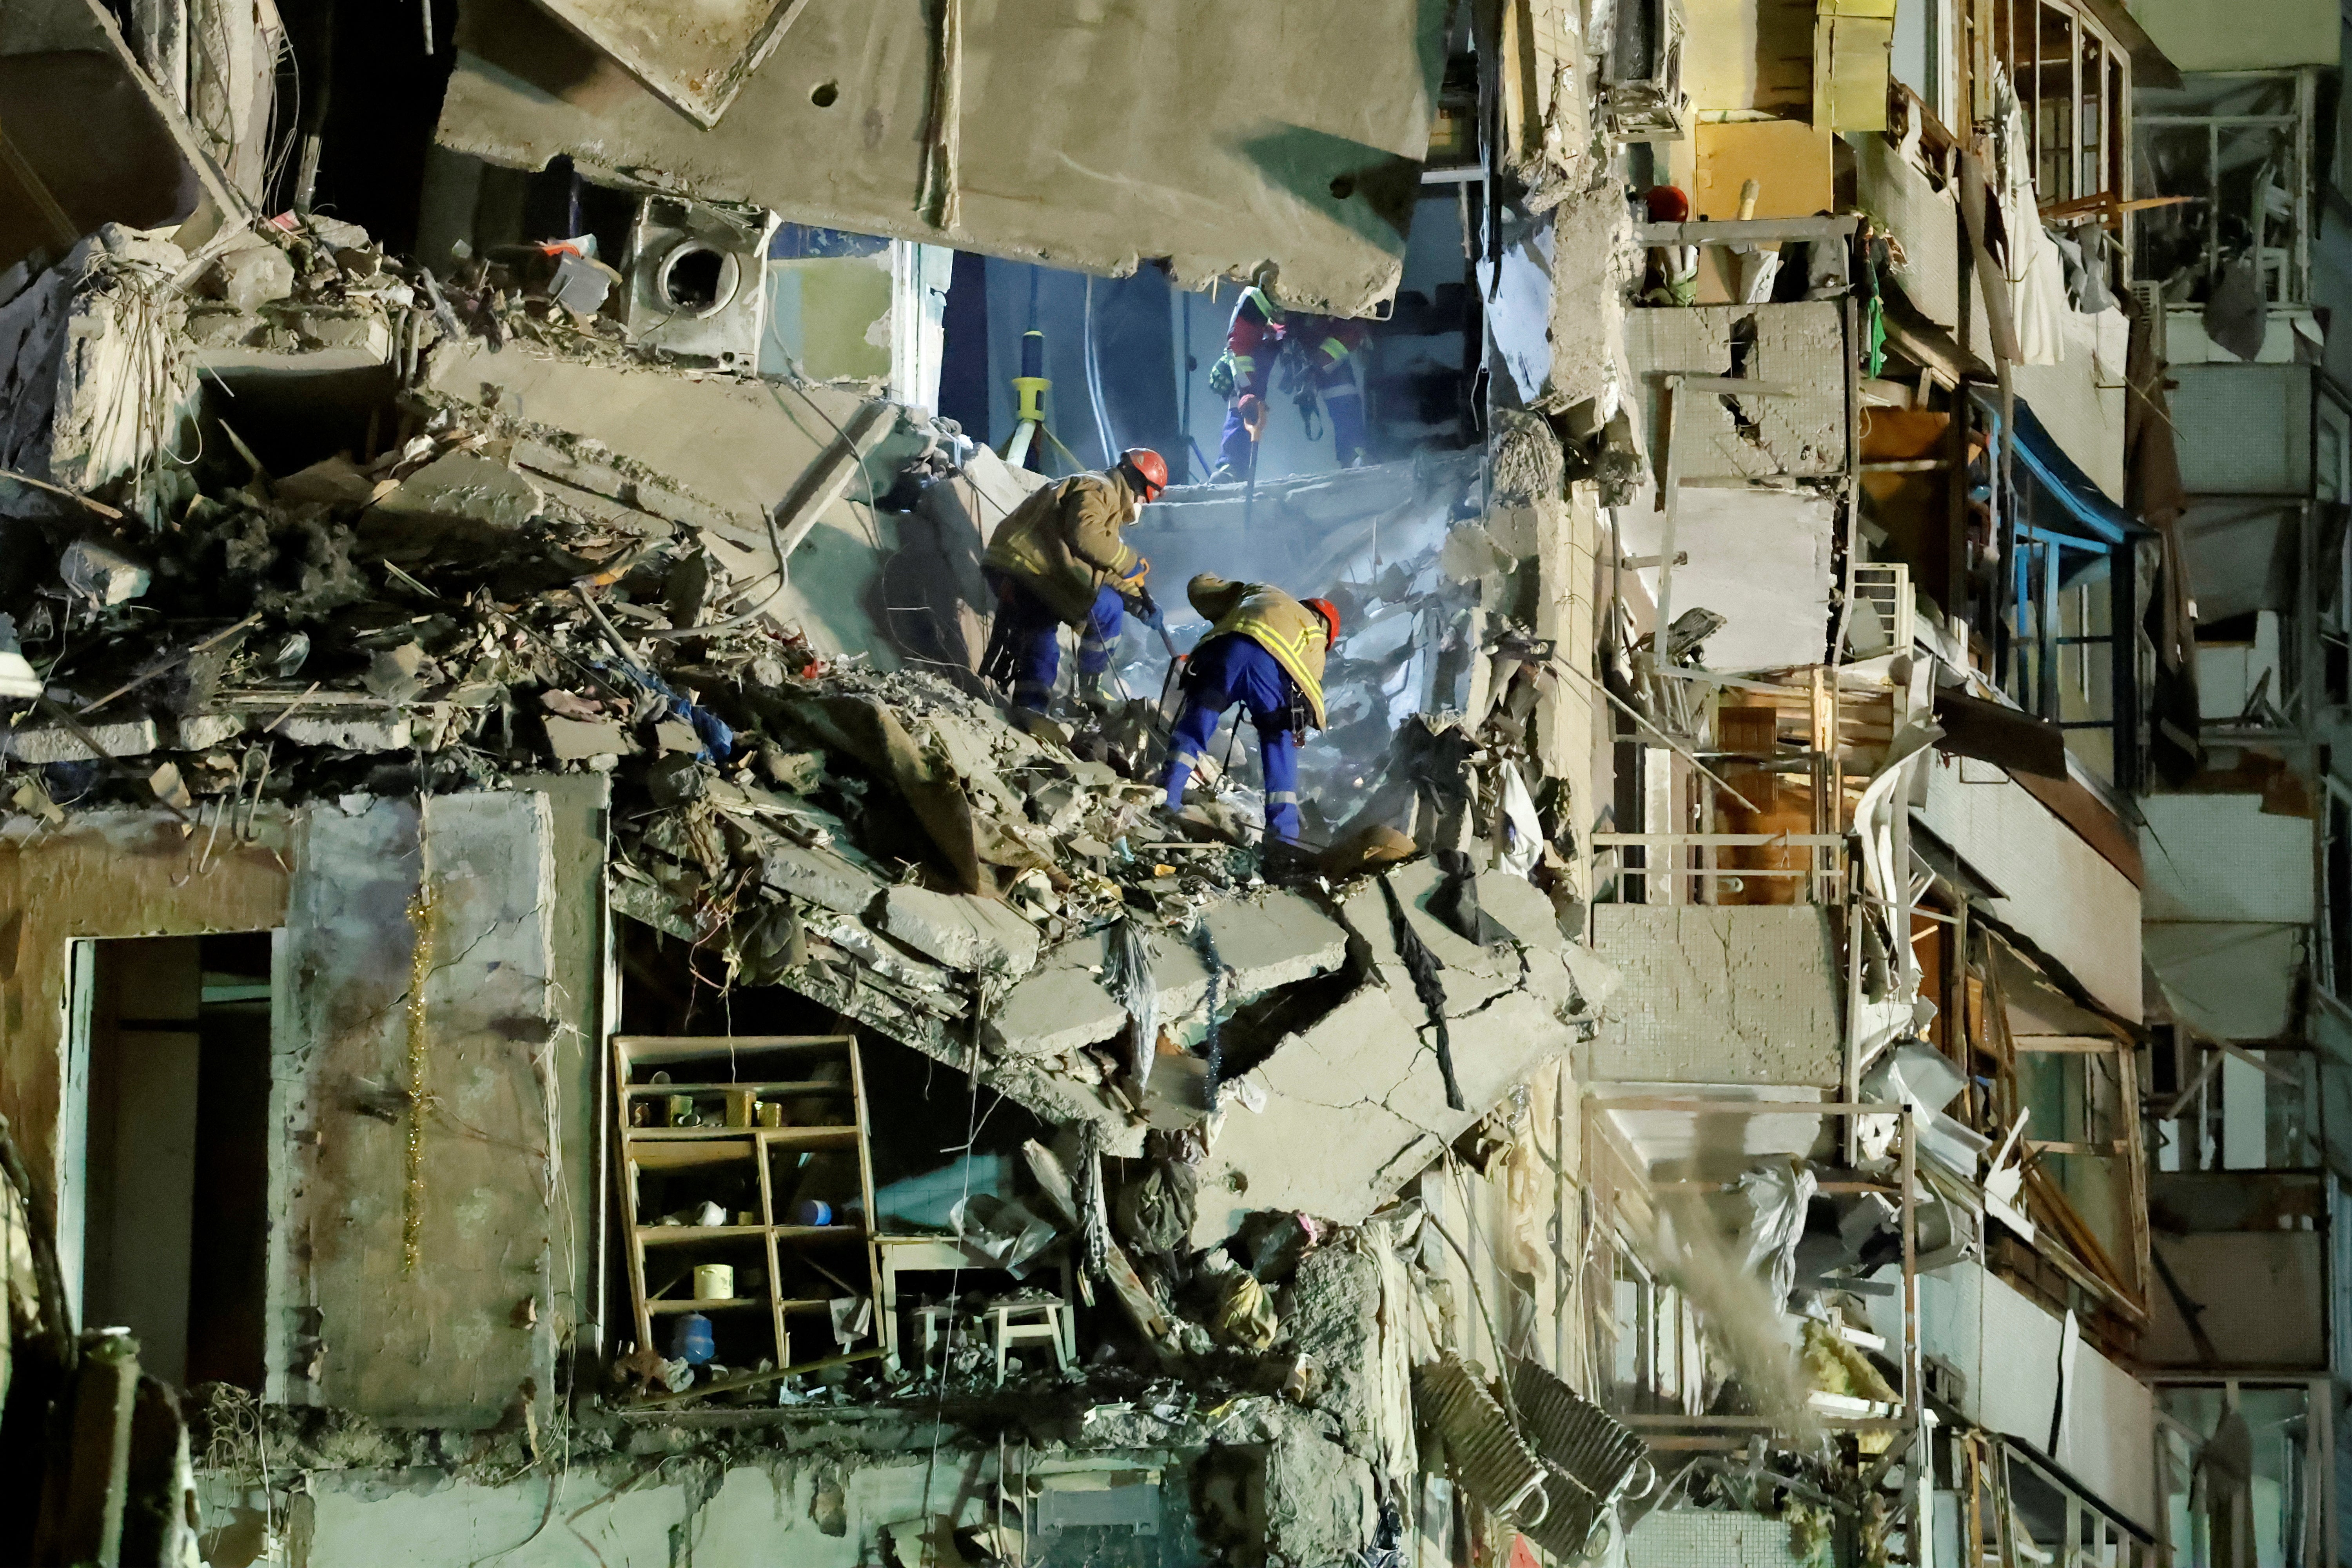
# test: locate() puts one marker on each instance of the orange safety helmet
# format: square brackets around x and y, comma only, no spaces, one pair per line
[1148,469]
[1330,614]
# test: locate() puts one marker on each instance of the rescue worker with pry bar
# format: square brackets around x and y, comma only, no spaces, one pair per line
[1264,650]
[1252,342]
[1060,559]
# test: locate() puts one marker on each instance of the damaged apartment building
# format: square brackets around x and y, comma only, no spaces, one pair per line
[558,1006]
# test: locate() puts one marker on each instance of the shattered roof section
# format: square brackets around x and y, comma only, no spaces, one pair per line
[1217,135]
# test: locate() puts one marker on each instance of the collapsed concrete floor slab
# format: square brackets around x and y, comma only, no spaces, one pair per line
[1167,153]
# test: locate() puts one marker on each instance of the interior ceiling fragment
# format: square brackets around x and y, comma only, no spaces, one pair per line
[1184,133]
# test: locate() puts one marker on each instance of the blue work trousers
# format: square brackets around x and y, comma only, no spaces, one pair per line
[1345,406]
[1036,634]
[1223,671]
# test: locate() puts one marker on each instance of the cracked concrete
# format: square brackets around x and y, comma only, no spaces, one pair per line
[1795,347]
[1721,995]
[1355,1103]
[1271,939]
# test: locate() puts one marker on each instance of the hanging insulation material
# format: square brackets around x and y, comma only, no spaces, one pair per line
[1127,975]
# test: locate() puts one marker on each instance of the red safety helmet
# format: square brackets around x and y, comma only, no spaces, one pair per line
[1330,614]
[1666,204]
[1148,469]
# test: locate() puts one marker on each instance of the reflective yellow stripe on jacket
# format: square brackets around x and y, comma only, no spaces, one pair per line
[1285,628]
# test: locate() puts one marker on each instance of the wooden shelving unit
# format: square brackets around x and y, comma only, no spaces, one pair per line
[729,1158]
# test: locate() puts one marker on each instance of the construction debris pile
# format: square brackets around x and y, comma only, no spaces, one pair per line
[475,599]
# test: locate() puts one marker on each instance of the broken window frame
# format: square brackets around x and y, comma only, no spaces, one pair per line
[2292,285]
[2105,99]
[2182,1480]
[1992,1105]
[2050,571]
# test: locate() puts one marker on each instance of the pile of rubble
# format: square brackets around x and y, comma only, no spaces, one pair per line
[476,600]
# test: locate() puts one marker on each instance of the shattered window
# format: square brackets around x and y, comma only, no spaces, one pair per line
[2236,147]
[2244,1481]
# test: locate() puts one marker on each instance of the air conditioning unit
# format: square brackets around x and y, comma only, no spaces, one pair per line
[1642,77]
[697,277]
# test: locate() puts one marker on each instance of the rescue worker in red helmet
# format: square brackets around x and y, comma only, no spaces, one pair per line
[1061,559]
[1252,342]
[1264,650]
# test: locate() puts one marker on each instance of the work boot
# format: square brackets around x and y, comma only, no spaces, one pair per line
[1224,474]
[1092,692]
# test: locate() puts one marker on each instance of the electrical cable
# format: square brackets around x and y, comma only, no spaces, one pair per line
[1093,379]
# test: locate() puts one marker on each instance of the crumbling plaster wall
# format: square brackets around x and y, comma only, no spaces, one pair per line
[508,1027]
[107,874]
[1593,259]
[1795,430]
[2059,892]
[1214,135]
[1719,994]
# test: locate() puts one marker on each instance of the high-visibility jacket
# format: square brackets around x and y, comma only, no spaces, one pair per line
[1065,543]
[1328,343]
[1252,337]
[1271,618]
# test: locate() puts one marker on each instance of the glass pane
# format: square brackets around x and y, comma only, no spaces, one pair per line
[2091,146]
[2170,242]
[2055,128]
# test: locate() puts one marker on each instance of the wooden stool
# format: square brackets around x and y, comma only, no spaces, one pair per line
[1047,1330]
[930,1317]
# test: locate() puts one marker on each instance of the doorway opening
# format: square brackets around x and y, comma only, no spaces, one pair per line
[164,1211]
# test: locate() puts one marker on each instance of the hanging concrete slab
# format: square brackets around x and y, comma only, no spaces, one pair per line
[697,57]
[1216,135]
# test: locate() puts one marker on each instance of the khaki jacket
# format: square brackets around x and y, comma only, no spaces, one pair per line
[1065,542]
[1272,619]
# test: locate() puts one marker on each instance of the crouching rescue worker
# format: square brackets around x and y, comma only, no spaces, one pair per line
[1061,559]
[1264,650]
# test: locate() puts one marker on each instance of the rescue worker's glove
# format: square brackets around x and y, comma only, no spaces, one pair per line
[1221,376]
[1146,608]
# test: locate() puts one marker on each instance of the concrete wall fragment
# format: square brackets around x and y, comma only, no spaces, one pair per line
[431,1279]
[1796,350]
[1718,995]
[1355,1103]
[1216,136]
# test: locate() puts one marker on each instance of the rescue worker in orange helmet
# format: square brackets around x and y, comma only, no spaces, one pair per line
[1061,559]
[1264,650]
